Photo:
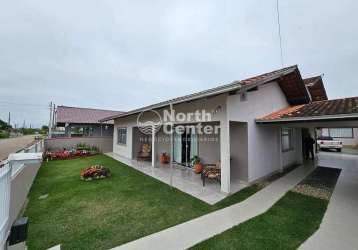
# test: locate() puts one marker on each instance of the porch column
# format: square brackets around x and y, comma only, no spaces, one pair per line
[225,155]
[153,146]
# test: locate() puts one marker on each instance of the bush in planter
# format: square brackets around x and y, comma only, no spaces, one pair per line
[95,172]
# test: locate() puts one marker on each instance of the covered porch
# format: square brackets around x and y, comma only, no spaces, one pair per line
[182,178]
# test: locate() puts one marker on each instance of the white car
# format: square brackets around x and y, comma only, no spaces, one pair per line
[327,142]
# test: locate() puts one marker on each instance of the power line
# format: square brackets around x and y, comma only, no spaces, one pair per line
[279,30]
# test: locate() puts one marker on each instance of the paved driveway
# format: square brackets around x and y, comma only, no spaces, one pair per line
[340,223]
[12,145]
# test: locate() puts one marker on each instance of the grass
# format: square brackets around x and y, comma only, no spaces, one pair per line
[106,213]
[286,225]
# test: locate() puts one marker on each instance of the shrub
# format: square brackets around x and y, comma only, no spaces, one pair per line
[4,134]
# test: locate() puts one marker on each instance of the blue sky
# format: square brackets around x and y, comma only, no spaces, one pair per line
[125,54]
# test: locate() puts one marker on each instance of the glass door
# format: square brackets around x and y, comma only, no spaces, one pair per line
[185,147]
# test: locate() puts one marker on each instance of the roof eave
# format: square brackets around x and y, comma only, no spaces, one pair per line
[311,118]
[237,87]
[173,102]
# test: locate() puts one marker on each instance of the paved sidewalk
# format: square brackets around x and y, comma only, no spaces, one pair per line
[192,232]
[339,226]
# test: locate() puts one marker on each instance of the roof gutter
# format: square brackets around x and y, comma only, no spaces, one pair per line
[310,118]
[166,103]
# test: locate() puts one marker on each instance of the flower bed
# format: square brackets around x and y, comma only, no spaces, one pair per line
[67,154]
[95,172]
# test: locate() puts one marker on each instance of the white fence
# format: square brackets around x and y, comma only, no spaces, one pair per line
[5,184]
[8,171]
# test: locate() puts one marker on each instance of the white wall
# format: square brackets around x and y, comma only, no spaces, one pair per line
[239,151]
[263,140]
[293,156]
[129,123]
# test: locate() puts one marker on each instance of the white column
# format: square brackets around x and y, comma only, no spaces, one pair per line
[225,155]
[153,146]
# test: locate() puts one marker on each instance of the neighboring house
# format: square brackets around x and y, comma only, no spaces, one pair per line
[262,122]
[348,136]
[83,122]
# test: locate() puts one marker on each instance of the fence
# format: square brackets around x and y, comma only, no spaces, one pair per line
[104,144]
[9,169]
[5,186]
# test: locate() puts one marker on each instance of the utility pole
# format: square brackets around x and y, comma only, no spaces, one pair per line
[53,116]
[9,120]
[50,122]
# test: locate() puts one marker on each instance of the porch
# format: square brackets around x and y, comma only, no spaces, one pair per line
[182,178]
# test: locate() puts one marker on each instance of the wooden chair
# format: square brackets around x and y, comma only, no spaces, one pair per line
[211,171]
[146,153]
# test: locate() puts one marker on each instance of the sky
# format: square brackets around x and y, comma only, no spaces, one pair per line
[122,55]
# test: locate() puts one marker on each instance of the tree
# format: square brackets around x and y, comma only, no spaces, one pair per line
[4,125]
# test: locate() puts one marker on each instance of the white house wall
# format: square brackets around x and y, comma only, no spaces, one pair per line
[263,141]
[239,151]
[293,156]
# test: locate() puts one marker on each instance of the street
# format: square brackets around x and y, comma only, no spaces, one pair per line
[12,145]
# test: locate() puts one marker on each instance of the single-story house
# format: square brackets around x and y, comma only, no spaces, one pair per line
[252,128]
[83,122]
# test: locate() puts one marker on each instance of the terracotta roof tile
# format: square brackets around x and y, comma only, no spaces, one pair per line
[346,106]
[82,115]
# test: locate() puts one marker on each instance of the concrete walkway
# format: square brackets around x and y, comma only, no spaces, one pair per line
[192,232]
[339,226]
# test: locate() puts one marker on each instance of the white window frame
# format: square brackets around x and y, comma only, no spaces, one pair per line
[122,136]
[287,132]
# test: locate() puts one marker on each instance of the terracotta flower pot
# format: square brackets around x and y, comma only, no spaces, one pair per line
[164,158]
[198,168]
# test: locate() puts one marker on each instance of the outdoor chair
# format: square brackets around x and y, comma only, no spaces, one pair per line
[146,153]
[211,171]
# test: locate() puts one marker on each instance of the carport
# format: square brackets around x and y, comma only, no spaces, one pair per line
[339,225]
[338,113]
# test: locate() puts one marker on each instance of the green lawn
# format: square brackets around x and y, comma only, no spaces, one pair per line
[106,213]
[286,225]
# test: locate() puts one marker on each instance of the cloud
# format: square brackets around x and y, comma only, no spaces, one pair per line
[125,54]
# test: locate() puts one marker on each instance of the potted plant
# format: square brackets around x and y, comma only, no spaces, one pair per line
[164,158]
[196,164]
